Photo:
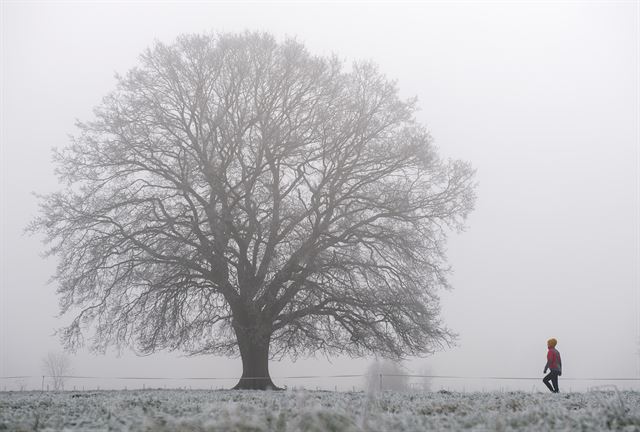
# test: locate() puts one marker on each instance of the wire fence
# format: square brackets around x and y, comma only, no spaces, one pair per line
[337,382]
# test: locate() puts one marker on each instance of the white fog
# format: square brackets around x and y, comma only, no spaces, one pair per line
[541,98]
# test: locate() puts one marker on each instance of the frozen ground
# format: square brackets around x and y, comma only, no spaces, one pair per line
[317,411]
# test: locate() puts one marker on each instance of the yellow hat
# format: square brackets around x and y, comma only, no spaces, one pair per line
[551,343]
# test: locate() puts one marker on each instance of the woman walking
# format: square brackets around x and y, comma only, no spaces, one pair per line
[554,364]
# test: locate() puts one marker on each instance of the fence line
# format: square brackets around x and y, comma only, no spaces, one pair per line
[508,378]
[314,376]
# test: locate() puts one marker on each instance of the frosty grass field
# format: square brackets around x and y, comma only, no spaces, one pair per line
[249,411]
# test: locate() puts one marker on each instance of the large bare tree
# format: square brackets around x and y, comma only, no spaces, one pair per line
[236,195]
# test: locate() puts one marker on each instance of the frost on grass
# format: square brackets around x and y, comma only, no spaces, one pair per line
[251,411]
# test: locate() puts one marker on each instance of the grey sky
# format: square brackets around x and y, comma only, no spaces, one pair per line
[542,98]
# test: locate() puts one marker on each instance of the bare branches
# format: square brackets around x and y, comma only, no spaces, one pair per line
[57,366]
[232,182]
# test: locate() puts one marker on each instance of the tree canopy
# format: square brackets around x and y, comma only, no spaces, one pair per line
[238,195]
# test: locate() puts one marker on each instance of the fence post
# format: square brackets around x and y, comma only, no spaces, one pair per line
[42,382]
[380,382]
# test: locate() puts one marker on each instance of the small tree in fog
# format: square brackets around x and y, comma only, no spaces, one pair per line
[57,366]
[425,383]
[387,374]
[235,195]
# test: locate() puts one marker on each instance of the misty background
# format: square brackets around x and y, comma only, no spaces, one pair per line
[542,98]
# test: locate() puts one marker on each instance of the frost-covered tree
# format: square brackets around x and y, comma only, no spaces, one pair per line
[56,366]
[385,374]
[425,383]
[236,195]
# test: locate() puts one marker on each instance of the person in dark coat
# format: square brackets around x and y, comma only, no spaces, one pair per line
[554,365]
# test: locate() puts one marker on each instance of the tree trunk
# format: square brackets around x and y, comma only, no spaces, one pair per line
[254,350]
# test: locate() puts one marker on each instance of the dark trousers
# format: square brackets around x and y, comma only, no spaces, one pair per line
[553,377]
